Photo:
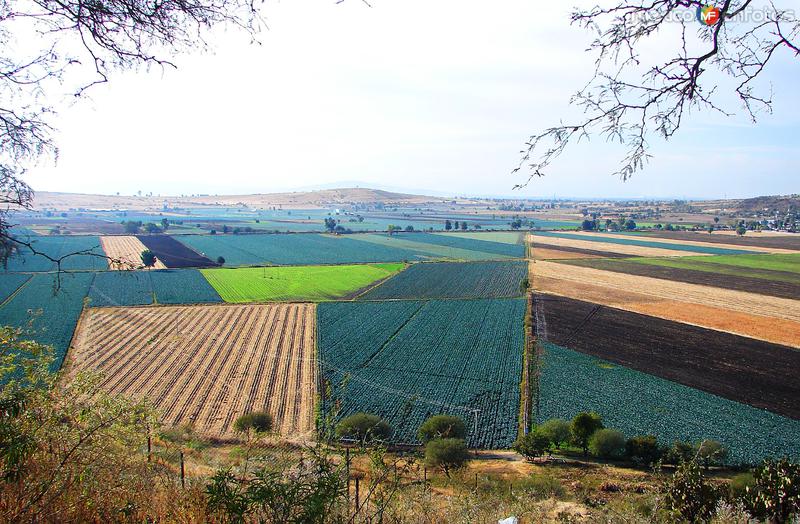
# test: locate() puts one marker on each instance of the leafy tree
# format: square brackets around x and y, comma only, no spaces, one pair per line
[448,225]
[364,428]
[221,260]
[463,226]
[516,224]
[442,426]
[557,430]
[67,448]
[409,229]
[775,493]
[148,258]
[741,230]
[583,427]
[392,228]
[689,495]
[607,443]
[680,452]
[330,224]
[630,225]
[534,444]
[588,225]
[456,225]
[711,452]
[257,421]
[643,450]
[449,454]
[132,226]
[164,224]
[151,228]
[212,232]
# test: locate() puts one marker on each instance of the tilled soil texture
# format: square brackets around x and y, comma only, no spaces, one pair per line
[751,285]
[125,252]
[789,241]
[698,241]
[543,250]
[619,249]
[173,253]
[741,369]
[207,365]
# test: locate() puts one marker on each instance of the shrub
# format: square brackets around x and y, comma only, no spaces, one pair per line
[680,452]
[643,450]
[363,427]
[257,421]
[689,495]
[449,454]
[442,426]
[607,443]
[583,427]
[711,452]
[148,258]
[740,483]
[533,445]
[557,430]
[221,261]
[775,495]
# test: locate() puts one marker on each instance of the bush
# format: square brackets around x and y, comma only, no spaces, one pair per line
[775,495]
[364,428]
[711,452]
[258,421]
[689,495]
[680,452]
[643,450]
[449,454]
[583,427]
[740,484]
[607,443]
[533,445]
[221,261]
[557,430]
[442,426]
[148,258]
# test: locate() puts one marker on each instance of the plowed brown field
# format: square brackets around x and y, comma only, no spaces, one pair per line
[624,249]
[125,252]
[694,242]
[207,365]
[757,316]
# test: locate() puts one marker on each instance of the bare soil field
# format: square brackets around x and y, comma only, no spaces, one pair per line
[697,241]
[765,239]
[126,252]
[738,368]
[623,249]
[632,294]
[206,365]
[758,286]
[542,251]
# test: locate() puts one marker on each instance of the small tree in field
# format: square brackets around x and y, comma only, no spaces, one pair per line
[148,258]
[257,421]
[643,450]
[364,428]
[711,452]
[221,261]
[557,430]
[583,427]
[442,426]
[448,225]
[449,454]
[607,443]
[534,444]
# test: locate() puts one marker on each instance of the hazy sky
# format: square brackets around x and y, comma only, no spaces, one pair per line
[428,96]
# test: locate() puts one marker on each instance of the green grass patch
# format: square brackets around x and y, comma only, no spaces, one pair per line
[296,283]
[757,266]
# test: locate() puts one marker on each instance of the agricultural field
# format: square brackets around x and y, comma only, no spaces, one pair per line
[763,239]
[742,369]
[297,249]
[607,241]
[773,319]
[45,315]
[505,237]
[543,251]
[182,286]
[89,255]
[172,253]
[499,249]
[121,288]
[454,280]
[640,404]
[207,365]
[125,252]
[719,266]
[407,360]
[426,246]
[9,283]
[297,283]
[773,283]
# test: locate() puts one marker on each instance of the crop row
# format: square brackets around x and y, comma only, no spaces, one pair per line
[637,241]
[639,404]
[493,279]
[55,247]
[408,360]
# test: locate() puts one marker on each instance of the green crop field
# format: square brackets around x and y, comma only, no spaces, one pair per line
[789,263]
[9,283]
[778,268]
[407,360]
[505,237]
[296,283]
[493,279]
[641,404]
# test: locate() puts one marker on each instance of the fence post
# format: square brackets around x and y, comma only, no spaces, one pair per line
[357,496]
[183,472]
[149,449]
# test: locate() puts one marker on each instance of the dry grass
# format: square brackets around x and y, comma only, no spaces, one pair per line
[771,319]
[207,365]
[126,252]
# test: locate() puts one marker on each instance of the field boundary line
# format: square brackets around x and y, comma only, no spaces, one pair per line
[393,335]
[16,291]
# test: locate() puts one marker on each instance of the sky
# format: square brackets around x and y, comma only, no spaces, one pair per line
[429,97]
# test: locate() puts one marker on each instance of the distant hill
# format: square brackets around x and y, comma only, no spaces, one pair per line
[301,199]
